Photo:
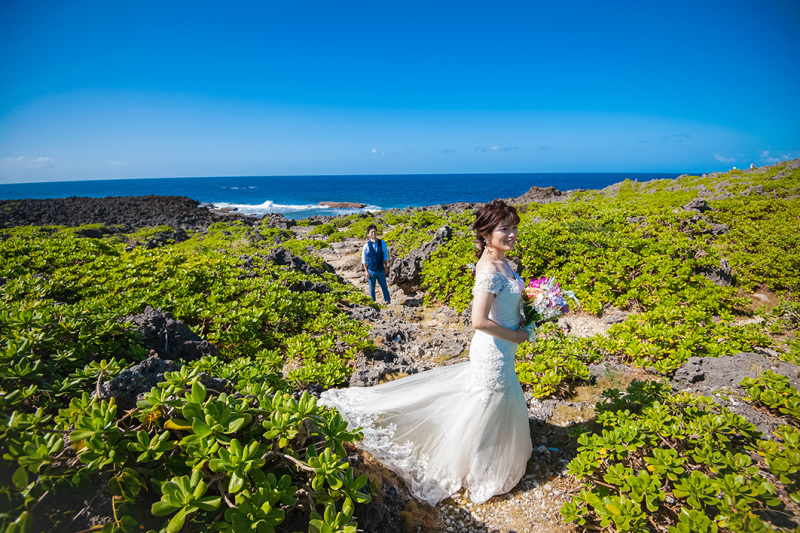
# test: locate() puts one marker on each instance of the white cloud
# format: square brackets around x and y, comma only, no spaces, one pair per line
[496,148]
[723,159]
[381,153]
[767,157]
[22,163]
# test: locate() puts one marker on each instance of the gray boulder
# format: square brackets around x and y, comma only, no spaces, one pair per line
[406,272]
[309,286]
[133,383]
[540,195]
[721,378]
[126,387]
[171,339]
[283,257]
[722,275]
[698,204]
[277,220]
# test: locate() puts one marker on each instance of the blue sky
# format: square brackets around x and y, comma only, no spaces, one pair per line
[138,89]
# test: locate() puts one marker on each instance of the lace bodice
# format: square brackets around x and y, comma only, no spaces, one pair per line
[507,305]
[493,358]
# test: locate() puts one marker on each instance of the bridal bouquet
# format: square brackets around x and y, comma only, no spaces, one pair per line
[543,300]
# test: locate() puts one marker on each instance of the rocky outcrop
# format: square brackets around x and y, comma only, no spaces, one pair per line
[406,272]
[277,220]
[171,339]
[540,195]
[722,275]
[342,205]
[126,212]
[721,376]
[130,385]
[283,257]
[699,205]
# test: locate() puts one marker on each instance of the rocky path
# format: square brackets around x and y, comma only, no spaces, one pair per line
[413,337]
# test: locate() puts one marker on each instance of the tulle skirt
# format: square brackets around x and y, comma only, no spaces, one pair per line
[442,430]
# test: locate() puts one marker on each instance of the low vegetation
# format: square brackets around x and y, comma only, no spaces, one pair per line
[260,455]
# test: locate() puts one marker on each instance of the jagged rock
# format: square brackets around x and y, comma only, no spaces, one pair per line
[698,204]
[540,411]
[277,220]
[540,195]
[283,257]
[707,375]
[722,275]
[757,190]
[704,374]
[719,229]
[703,192]
[382,362]
[309,286]
[363,313]
[316,220]
[405,272]
[127,212]
[133,383]
[342,205]
[171,339]
[126,387]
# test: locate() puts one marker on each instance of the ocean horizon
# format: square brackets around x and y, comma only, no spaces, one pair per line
[301,197]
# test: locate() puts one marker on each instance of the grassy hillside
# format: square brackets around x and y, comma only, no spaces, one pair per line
[260,454]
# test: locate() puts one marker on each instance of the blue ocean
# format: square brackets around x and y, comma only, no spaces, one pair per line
[304,196]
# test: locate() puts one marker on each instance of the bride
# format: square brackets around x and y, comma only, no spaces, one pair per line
[463,425]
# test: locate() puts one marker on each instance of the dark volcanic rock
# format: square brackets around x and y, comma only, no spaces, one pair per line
[128,212]
[283,257]
[384,513]
[277,220]
[171,339]
[309,286]
[406,272]
[138,379]
[131,384]
[342,205]
[722,275]
[698,204]
[540,195]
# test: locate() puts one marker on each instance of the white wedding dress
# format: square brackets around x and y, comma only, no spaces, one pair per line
[464,425]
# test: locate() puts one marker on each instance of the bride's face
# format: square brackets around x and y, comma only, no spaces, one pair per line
[504,236]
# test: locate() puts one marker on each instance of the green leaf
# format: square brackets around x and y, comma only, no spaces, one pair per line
[162,508]
[176,524]
[20,478]
[236,483]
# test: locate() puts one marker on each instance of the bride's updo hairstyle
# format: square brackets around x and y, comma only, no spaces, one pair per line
[487,218]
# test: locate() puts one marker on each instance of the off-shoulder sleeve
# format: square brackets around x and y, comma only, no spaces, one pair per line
[488,281]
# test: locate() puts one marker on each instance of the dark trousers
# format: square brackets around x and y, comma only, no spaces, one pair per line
[380,276]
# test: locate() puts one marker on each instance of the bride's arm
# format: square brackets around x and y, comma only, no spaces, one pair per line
[481,306]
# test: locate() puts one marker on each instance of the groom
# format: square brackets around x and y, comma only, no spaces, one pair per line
[375,258]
